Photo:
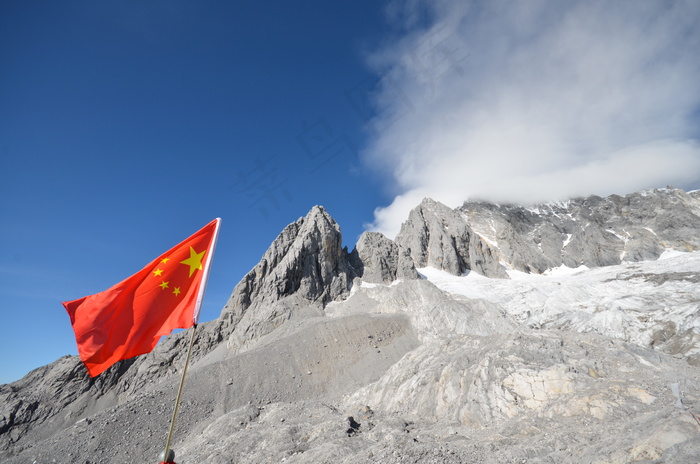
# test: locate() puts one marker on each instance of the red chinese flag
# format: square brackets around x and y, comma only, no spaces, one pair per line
[128,319]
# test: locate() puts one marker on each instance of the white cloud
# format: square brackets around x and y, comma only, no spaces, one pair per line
[536,100]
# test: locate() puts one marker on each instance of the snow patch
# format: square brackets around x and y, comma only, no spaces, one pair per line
[617,301]
[568,240]
[565,270]
[375,285]
[671,253]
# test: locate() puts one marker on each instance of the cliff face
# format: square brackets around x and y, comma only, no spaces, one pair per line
[592,231]
[305,266]
[487,238]
[462,340]
[439,237]
[376,259]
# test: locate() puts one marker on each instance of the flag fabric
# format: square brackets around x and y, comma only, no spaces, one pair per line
[129,318]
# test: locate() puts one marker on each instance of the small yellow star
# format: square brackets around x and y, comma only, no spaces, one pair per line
[194,261]
[157,272]
[176,291]
[164,285]
[165,260]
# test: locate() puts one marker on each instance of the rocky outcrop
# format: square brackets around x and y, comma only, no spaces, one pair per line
[487,381]
[376,259]
[305,259]
[304,269]
[591,231]
[437,236]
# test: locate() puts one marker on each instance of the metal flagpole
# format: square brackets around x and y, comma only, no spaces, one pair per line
[166,457]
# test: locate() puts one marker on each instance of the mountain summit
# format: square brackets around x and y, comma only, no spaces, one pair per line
[563,332]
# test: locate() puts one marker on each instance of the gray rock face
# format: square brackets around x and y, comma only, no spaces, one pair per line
[305,259]
[438,236]
[305,266]
[377,259]
[593,231]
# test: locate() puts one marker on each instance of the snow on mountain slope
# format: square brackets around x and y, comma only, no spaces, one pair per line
[650,303]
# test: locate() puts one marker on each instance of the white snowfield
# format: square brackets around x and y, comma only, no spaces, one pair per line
[631,301]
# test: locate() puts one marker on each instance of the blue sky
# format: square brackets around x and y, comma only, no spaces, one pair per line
[126,126]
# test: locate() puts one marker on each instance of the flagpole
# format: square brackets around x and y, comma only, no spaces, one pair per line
[195,318]
[166,458]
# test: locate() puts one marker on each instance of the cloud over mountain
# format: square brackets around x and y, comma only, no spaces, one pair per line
[535,101]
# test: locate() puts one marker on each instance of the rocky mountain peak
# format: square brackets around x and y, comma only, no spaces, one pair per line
[438,236]
[305,263]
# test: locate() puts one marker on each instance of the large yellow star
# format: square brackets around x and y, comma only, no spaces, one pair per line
[194,261]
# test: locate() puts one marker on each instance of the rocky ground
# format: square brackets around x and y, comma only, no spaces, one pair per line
[329,356]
